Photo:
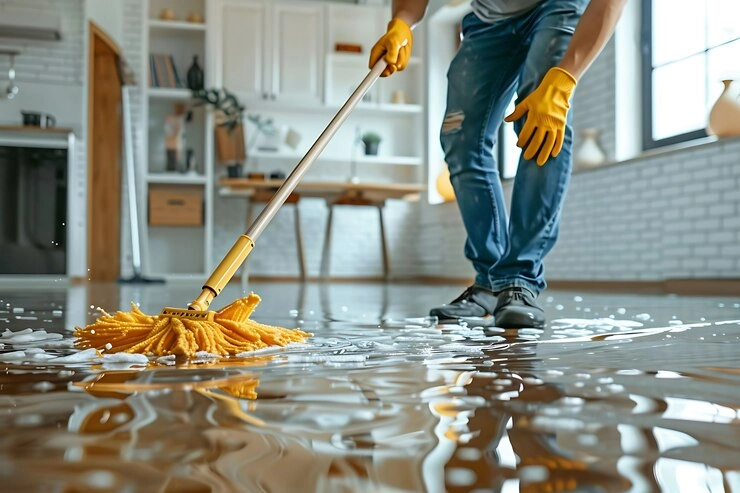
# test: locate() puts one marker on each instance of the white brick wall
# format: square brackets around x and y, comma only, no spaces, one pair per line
[57,62]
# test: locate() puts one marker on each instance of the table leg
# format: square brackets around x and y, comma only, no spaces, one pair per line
[384,244]
[299,242]
[326,252]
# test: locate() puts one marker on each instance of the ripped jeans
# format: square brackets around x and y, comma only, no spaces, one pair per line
[495,61]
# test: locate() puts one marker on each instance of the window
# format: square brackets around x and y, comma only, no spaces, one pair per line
[689,47]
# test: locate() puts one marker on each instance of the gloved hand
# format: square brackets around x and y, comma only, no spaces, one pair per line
[395,44]
[546,109]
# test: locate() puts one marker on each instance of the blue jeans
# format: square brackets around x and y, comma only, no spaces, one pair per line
[495,61]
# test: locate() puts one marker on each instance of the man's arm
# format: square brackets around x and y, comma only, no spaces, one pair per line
[546,108]
[409,11]
[591,35]
[395,45]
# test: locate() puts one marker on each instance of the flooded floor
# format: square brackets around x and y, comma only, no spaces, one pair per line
[620,393]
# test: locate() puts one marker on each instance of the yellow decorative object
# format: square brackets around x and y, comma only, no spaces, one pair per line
[444,187]
[167,15]
[724,117]
[195,17]
[225,332]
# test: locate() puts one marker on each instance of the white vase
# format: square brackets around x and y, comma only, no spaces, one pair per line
[589,153]
[724,117]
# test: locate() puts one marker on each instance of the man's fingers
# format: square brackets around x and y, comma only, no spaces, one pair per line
[519,111]
[546,149]
[558,146]
[534,144]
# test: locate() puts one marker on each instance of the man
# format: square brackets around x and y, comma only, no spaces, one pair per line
[537,49]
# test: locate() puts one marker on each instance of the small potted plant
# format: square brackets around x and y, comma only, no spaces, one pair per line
[371,140]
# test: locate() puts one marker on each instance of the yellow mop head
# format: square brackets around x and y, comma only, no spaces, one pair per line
[228,331]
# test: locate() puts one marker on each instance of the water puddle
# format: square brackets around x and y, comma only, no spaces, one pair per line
[607,398]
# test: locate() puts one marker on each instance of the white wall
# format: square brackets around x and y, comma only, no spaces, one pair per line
[48,73]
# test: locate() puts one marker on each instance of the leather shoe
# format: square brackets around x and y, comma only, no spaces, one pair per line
[516,309]
[474,302]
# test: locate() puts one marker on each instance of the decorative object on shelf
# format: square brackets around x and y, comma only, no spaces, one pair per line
[443,184]
[195,75]
[589,153]
[724,117]
[174,138]
[266,127]
[167,14]
[371,141]
[195,17]
[189,167]
[348,48]
[398,97]
[230,148]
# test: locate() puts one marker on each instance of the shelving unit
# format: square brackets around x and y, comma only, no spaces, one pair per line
[279,57]
[174,251]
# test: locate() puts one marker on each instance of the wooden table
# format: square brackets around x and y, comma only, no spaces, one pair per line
[336,193]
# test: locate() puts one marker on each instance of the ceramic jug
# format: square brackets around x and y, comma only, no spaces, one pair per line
[589,153]
[724,117]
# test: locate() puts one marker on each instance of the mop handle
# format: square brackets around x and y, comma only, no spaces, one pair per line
[238,253]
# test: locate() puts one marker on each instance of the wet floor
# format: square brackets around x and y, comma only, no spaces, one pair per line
[620,393]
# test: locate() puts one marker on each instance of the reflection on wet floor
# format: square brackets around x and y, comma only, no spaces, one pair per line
[618,393]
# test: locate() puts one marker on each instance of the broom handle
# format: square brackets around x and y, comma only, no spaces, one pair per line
[243,246]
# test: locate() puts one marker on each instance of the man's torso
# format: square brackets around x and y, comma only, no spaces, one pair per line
[494,10]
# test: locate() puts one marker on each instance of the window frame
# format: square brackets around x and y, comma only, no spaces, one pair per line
[646,43]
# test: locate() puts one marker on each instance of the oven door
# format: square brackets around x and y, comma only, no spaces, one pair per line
[33,210]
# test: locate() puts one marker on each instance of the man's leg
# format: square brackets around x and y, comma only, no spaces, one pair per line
[538,191]
[481,83]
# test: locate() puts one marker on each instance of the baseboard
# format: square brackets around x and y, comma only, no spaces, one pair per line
[687,287]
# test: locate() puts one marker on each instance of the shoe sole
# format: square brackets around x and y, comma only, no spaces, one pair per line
[487,321]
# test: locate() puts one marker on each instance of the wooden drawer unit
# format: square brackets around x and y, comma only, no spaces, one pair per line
[175,205]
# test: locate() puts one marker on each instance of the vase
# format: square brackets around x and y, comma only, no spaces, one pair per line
[444,186]
[195,75]
[724,117]
[589,153]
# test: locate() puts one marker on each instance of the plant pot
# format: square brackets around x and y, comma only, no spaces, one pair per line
[234,170]
[371,148]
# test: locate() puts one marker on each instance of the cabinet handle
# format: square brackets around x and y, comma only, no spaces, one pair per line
[265,95]
[272,97]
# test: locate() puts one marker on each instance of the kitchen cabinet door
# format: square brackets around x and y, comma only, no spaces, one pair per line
[272,51]
[244,45]
[297,53]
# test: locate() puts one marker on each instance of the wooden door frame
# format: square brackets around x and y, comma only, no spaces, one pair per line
[104,148]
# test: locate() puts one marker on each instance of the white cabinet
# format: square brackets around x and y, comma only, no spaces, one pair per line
[280,58]
[271,51]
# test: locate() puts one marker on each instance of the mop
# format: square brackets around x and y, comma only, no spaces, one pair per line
[229,331]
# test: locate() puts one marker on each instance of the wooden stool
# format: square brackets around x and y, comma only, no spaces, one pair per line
[354,198]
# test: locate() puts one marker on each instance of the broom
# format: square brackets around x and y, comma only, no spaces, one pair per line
[229,331]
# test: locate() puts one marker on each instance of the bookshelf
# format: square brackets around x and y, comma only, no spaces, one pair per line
[176,156]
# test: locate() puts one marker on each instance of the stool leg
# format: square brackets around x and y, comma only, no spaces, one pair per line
[384,245]
[326,252]
[299,242]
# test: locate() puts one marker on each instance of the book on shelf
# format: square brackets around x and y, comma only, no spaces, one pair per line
[163,71]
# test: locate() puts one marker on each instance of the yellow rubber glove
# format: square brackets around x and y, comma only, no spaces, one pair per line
[546,109]
[395,44]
